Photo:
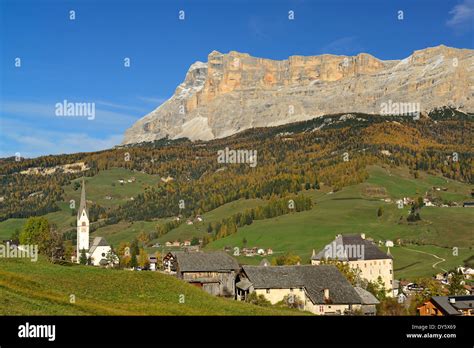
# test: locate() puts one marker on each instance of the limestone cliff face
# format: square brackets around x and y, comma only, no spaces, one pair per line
[235,91]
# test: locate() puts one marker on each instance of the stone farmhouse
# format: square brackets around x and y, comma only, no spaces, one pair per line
[214,272]
[322,289]
[360,254]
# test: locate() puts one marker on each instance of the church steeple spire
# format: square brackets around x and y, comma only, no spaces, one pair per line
[82,225]
[82,205]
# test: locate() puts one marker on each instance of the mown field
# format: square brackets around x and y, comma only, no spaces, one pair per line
[41,288]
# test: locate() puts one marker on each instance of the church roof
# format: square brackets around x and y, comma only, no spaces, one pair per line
[98,241]
[82,205]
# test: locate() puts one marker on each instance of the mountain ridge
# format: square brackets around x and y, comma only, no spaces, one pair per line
[236,91]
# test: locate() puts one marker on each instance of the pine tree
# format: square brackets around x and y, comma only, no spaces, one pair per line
[83,257]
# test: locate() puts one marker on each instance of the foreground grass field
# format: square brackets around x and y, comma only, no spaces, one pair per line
[41,288]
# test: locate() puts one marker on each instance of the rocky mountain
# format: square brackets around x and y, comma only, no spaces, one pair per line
[235,91]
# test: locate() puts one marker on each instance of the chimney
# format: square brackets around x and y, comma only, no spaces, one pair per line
[326,295]
[452,300]
[362,235]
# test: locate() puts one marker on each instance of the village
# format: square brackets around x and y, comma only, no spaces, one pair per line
[321,287]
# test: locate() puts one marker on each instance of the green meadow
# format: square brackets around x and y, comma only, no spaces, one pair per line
[350,210]
[42,288]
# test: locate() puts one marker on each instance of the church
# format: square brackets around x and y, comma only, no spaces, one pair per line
[98,251]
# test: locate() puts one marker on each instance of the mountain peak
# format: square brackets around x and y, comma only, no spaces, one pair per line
[236,91]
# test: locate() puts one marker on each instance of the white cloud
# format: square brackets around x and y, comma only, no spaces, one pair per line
[37,112]
[119,106]
[462,15]
[153,100]
[33,142]
[343,46]
[33,138]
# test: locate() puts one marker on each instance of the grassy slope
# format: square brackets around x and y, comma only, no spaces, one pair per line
[98,187]
[352,211]
[41,288]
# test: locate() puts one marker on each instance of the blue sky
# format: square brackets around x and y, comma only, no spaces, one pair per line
[82,60]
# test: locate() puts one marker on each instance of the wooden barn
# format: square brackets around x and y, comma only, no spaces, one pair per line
[214,272]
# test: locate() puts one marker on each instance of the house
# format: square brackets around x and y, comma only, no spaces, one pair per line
[362,255]
[269,251]
[169,262]
[427,202]
[214,272]
[176,243]
[168,244]
[448,305]
[153,262]
[468,204]
[199,218]
[187,243]
[467,272]
[189,222]
[369,301]
[321,289]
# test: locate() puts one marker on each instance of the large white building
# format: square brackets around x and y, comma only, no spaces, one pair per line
[361,255]
[100,248]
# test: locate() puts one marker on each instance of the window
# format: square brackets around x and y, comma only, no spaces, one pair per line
[83,223]
[103,254]
[291,289]
[390,271]
[268,291]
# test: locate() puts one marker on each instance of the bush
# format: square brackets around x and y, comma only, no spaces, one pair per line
[258,300]
[291,301]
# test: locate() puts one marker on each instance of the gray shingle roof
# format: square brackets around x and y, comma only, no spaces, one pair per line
[313,278]
[462,302]
[351,248]
[98,241]
[367,297]
[244,284]
[205,262]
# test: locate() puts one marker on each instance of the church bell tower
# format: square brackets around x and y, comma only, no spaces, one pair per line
[82,225]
